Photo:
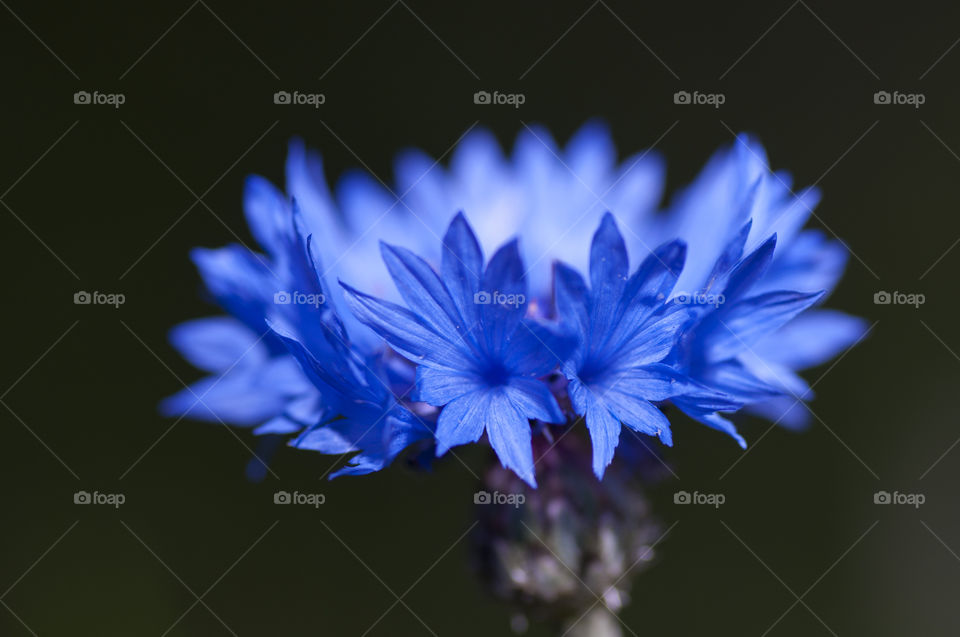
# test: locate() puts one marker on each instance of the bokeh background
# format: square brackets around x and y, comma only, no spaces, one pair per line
[102,198]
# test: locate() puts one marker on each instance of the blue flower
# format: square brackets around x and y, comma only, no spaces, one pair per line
[477,355]
[301,375]
[721,348]
[624,330]
[720,318]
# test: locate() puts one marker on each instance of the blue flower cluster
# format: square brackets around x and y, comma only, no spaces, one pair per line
[719,316]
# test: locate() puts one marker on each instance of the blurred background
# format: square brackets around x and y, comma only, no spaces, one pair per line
[111,199]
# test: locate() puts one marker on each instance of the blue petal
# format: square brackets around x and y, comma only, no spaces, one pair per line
[728,258]
[216,344]
[645,294]
[279,425]
[440,386]
[591,155]
[364,202]
[265,209]
[655,382]
[812,262]
[608,265]
[750,269]
[572,298]
[533,399]
[708,416]
[462,266]
[536,348]
[812,338]
[462,420]
[608,276]
[379,443]
[425,294]
[737,380]
[509,434]
[503,282]
[306,183]
[640,415]
[239,281]
[424,187]
[785,411]
[656,277]
[653,342]
[739,326]
[604,430]
[331,377]
[242,396]
[404,331]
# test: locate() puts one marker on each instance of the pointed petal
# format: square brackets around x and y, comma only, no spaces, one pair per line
[750,269]
[404,331]
[265,209]
[608,274]
[462,266]
[216,344]
[812,339]
[462,420]
[509,434]
[572,298]
[440,386]
[506,301]
[424,292]
[741,325]
[604,430]
[533,399]
[608,258]
[537,348]
[640,415]
[709,417]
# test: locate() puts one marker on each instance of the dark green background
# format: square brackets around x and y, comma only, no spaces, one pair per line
[199,98]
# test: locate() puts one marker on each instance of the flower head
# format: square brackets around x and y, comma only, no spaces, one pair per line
[720,318]
[477,355]
[624,329]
